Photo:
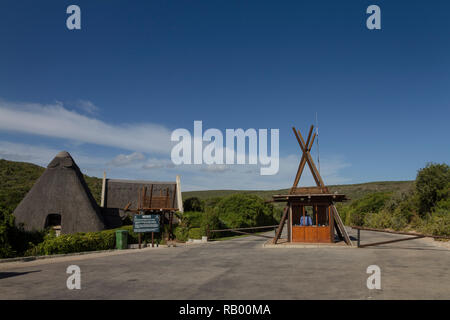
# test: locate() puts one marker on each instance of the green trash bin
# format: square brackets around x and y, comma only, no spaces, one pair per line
[121,239]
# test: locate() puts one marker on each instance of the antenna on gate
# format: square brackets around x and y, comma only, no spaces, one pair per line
[317,135]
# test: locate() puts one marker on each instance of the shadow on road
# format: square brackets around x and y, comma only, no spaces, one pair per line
[4,275]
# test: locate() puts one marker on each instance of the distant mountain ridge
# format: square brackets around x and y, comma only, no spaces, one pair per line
[352,191]
[17,178]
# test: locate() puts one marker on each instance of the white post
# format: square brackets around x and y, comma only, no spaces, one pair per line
[102,204]
[179,199]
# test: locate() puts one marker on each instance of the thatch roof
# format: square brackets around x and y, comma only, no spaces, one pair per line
[60,190]
[119,193]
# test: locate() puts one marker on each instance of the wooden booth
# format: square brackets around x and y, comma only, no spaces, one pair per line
[310,213]
[310,217]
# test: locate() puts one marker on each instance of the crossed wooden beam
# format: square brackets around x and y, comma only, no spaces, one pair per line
[306,158]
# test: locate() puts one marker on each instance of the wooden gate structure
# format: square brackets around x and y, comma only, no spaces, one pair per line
[161,202]
[310,213]
[412,235]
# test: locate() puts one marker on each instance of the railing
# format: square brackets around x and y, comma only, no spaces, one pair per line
[240,230]
[414,236]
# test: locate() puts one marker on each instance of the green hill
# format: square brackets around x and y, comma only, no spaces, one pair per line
[353,191]
[17,178]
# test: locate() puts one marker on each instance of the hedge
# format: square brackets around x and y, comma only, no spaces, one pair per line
[83,241]
[195,233]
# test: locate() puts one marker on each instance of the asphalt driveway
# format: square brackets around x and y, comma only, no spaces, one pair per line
[239,269]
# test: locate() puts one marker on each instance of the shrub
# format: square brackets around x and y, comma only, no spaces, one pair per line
[443,205]
[277,214]
[244,210]
[193,204]
[193,218]
[437,224]
[82,241]
[181,233]
[380,220]
[343,212]
[195,233]
[14,241]
[212,202]
[399,221]
[78,242]
[6,225]
[372,203]
[432,184]
[356,218]
[211,221]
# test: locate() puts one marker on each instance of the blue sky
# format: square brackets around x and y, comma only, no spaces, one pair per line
[112,92]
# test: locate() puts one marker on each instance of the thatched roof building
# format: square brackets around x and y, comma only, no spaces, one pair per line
[120,195]
[60,198]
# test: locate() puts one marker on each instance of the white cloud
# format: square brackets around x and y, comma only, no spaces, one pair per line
[56,121]
[126,159]
[142,140]
[215,168]
[87,106]
[194,177]
[157,164]
[42,155]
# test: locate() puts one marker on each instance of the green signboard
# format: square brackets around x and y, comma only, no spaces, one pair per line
[146,223]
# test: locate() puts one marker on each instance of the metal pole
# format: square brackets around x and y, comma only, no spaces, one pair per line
[359,237]
[139,237]
[152,239]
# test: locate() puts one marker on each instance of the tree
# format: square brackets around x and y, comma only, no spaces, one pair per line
[432,184]
[210,221]
[6,226]
[193,204]
[244,210]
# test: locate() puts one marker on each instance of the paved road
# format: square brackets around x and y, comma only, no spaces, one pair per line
[239,269]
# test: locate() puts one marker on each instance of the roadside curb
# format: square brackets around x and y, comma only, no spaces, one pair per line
[133,248]
[32,258]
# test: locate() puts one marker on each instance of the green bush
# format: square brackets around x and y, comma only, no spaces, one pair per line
[443,205]
[432,184]
[380,220]
[438,224]
[181,233]
[211,221]
[195,233]
[212,202]
[193,218]
[208,220]
[77,242]
[6,225]
[82,241]
[14,241]
[181,230]
[193,204]
[245,210]
[372,203]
